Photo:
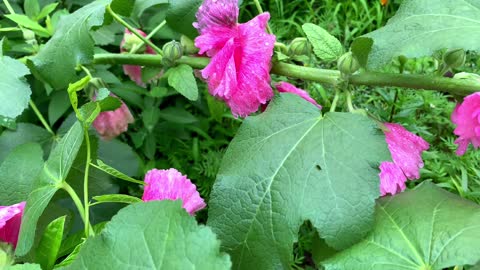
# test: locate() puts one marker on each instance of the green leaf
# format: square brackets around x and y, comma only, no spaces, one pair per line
[74,240]
[291,164]
[361,48]
[32,8]
[114,172]
[46,10]
[181,79]
[8,122]
[116,198]
[150,117]
[181,15]
[178,115]
[421,27]
[164,235]
[325,46]
[59,104]
[47,250]
[72,90]
[88,112]
[17,181]
[26,22]
[141,5]
[425,228]
[120,155]
[71,45]
[49,181]
[26,266]
[15,92]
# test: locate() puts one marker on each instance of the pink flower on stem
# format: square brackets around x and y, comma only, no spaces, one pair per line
[110,124]
[172,185]
[285,87]
[466,117]
[239,70]
[128,41]
[10,221]
[406,149]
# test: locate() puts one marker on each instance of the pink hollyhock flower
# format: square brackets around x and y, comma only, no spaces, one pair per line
[392,179]
[110,124]
[134,72]
[466,117]
[238,72]
[285,87]
[172,185]
[10,221]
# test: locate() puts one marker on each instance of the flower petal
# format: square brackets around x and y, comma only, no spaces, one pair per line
[110,124]
[10,221]
[392,179]
[285,87]
[212,13]
[466,118]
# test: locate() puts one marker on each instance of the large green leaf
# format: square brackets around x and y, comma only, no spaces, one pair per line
[14,90]
[163,235]
[426,228]
[291,164]
[181,15]
[421,27]
[49,181]
[18,172]
[70,45]
[24,133]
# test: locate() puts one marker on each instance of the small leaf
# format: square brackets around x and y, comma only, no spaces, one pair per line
[114,172]
[26,22]
[425,228]
[116,198]
[325,46]
[361,48]
[46,10]
[47,250]
[15,92]
[73,88]
[32,8]
[164,235]
[181,15]
[181,79]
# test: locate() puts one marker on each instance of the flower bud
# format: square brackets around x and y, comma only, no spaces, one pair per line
[172,51]
[110,124]
[299,46]
[29,37]
[348,64]
[130,41]
[454,58]
[188,45]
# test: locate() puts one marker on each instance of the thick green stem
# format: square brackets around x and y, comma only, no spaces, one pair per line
[326,76]
[40,117]
[85,185]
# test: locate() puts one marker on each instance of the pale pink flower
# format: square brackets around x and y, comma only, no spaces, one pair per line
[110,124]
[10,221]
[466,117]
[134,72]
[172,185]
[392,179]
[285,87]
[241,54]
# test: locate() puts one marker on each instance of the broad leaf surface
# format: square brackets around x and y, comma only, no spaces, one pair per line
[164,237]
[421,27]
[181,79]
[181,15]
[24,133]
[290,164]
[54,172]
[14,90]
[325,46]
[70,45]
[50,242]
[427,226]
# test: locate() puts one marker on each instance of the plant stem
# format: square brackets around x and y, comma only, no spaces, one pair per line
[9,7]
[135,32]
[335,100]
[148,37]
[85,184]
[349,102]
[40,117]
[78,203]
[415,81]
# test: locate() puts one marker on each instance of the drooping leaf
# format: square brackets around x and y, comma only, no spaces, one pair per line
[361,48]
[49,181]
[15,92]
[70,46]
[24,133]
[116,198]
[425,228]
[181,79]
[325,46]
[181,15]
[47,250]
[18,172]
[114,172]
[291,164]
[421,27]
[164,237]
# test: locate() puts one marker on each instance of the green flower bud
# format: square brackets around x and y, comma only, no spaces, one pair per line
[29,37]
[454,58]
[6,255]
[299,46]
[131,41]
[188,45]
[348,64]
[172,51]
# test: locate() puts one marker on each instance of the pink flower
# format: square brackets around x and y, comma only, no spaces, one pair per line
[172,185]
[467,118]
[128,41]
[10,221]
[241,54]
[406,149]
[110,124]
[285,87]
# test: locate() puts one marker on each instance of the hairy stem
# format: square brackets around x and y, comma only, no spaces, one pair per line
[40,117]
[332,77]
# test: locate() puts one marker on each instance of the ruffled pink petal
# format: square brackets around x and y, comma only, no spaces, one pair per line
[10,221]
[406,149]
[172,185]
[110,124]
[466,117]
[392,179]
[285,87]
[134,72]
[212,13]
